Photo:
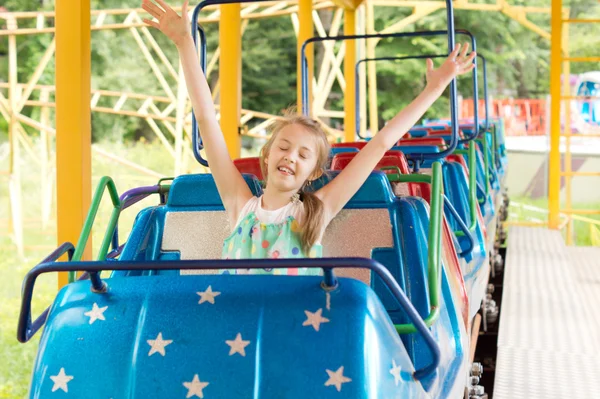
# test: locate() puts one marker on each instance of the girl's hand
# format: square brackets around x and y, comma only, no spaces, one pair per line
[175,27]
[456,64]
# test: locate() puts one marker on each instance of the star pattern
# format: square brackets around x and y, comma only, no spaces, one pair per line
[96,313]
[61,380]
[195,387]
[395,371]
[315,319]
[158,345]
[208,296]
[237,345]
[337,378]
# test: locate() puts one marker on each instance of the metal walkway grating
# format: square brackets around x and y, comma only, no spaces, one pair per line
[549,334]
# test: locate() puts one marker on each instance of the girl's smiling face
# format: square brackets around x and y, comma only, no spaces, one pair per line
[292,159]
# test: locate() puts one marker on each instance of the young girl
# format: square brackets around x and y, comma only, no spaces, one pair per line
[286,221]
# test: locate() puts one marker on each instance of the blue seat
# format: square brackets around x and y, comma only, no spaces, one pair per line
[188,193]
[399,225]
[338,150]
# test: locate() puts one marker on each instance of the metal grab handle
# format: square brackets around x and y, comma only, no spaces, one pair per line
[26,329]
[425,33]
[417,178]
[196,31]
[453,93]
[464,229]
[323,263]
[196,138]
[473,203]
[105,183]
[434,246]
[130,198]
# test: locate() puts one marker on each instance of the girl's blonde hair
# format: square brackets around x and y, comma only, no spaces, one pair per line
[313,207]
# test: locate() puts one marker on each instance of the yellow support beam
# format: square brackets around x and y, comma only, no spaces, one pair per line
[230,73]
[555,103]
[73,121]
[305,32]
[372,70]
[349,63]
[347,4]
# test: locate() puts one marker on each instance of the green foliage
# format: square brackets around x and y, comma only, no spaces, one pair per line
[518,60]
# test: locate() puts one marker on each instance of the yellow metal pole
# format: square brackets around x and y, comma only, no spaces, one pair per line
[349,63]
[555,72]
[73,116]
[567,123]
[305,32]
[372,70]
[230,72]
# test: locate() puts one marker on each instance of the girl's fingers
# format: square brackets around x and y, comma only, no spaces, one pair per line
[469,60]
[152,4]
[467,69]
[429,65]
[464,50]
[152,11]
[184,8]
[164,5]
[454,52]
[151,23]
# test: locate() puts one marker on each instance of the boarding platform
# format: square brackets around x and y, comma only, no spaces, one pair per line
[549,333]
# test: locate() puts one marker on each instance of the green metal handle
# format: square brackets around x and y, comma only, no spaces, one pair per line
[412,178]
[472,187]
[105,183]
[486,163]
[394,168]
[434,242]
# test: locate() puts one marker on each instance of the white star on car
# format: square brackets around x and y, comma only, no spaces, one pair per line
[61,380]
[158,345]
[96,313]
[314,319]
[237,345]
[337,378]
[195,387]
[208,295]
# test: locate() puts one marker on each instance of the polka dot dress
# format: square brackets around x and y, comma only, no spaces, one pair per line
[252,239]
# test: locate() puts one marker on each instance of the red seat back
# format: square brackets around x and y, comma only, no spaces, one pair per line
[355,144]
[390,158]
[250,166]
[418,141]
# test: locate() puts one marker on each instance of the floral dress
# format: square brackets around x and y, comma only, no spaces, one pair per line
[263,234]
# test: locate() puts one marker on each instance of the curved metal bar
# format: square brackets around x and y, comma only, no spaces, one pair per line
[106,183]
[26,329]
[129,198]
[453,93]
[485,93]
[323,263]
[196,138]
[462,226]
[434,33]
[434,245]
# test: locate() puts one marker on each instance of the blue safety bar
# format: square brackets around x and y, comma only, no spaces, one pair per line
[425,56]
[462,226]
[27,329]
[453,93]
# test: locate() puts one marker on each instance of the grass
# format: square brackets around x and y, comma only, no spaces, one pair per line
[581,230]
[17,359]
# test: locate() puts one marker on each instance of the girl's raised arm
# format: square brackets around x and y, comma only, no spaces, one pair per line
[231,185]
[339,191]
